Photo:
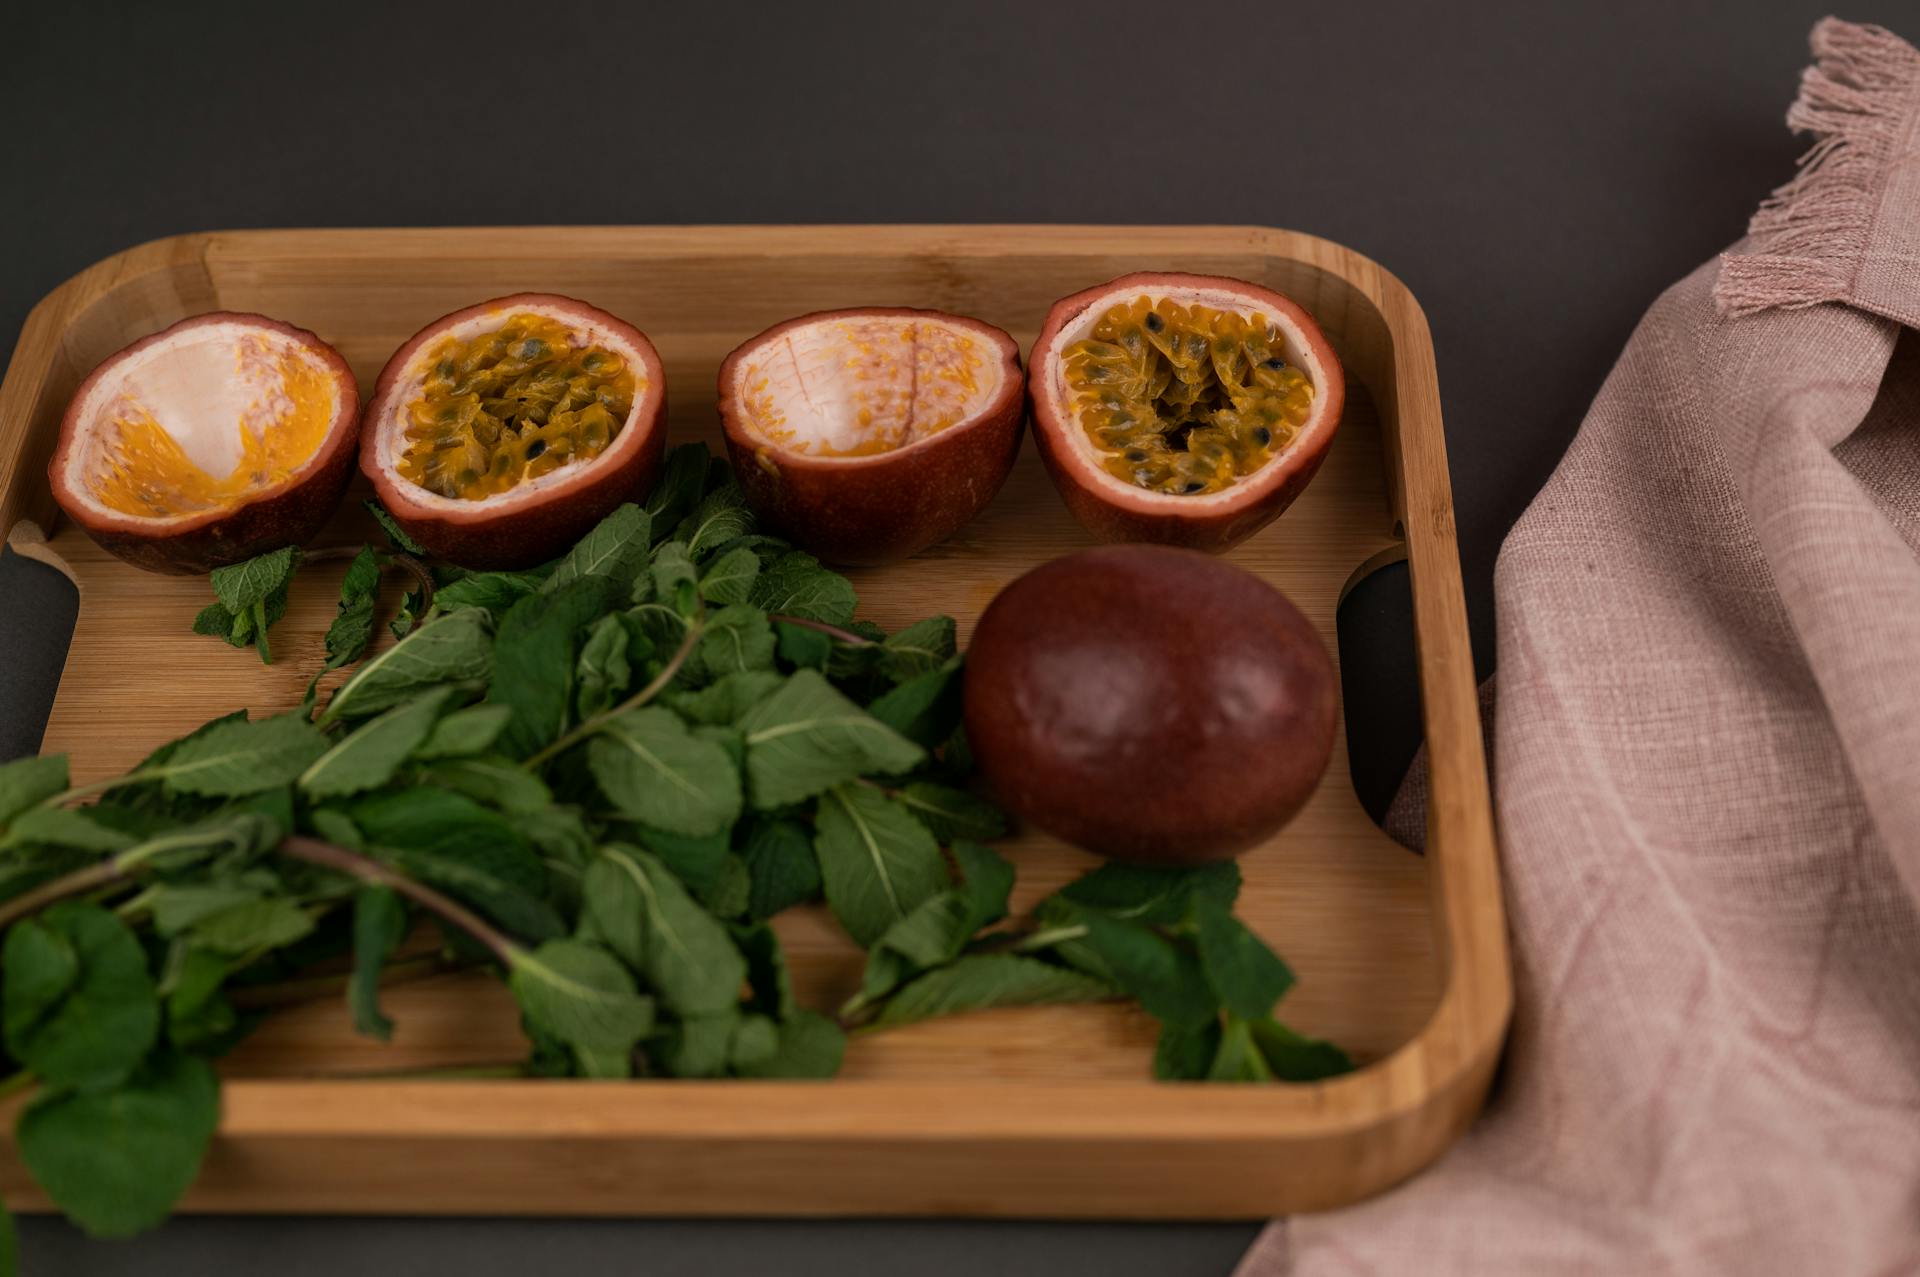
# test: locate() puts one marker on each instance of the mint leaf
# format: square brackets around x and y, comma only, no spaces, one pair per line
[653,770]
[243,757]
[796,585]
[453,826]
[729,579]
[177,906]
[938,929]
[396,533]
[781,867]
[767,974]
[496,592]
[1185,1053]
[454,648]
[681,484]
[951,813]
[1294,1058]
[533,662]
[807,737]
[579,993]
[643,914]
[603,671]
[116,1160]
[737,639]
[980,981]
[379,925]
[368,757]
[268,923]
[1154,895]
[28,782]
[81,1009]
[803,648]
[1238,1059]
[675,579]
[755,1039]
[616,548]
[494,781]
[62,827]
[809,1046]
[697,1045]
[919,649]
[720,517]
[877,863]
[1249,977]
[243,586]
[465,731]
[926,708]
[724,702]
[1165,976]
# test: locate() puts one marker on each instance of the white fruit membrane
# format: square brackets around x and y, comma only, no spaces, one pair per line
[860,385]
[1081,326]
[201,387]
[390,433]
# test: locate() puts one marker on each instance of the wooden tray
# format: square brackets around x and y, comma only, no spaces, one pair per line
[1031,1112]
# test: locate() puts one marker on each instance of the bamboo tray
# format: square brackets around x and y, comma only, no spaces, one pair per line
[1028,1112]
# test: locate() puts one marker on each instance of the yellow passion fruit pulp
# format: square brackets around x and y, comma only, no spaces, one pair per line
[1185,400]
[143,470]
[513,404]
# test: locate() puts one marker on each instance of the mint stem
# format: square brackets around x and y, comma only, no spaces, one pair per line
[1053,936]
[367,869]
[412,566]
[833,632]
[66,796]
[639,698]
[282,993]
[79,882]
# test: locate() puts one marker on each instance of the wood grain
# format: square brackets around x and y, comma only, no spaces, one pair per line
[1029,1112]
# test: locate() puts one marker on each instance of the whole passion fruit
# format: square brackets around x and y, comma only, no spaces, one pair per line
[865,436]
[223,437]
[499,434]
[1150,704]
[1184,409]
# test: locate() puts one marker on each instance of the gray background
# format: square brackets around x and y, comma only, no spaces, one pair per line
[1535,172]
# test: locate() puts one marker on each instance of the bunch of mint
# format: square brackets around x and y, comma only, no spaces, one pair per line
[599,779]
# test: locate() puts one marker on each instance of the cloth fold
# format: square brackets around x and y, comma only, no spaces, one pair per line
[1707,772]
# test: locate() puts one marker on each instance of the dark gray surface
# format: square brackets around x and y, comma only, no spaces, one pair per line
[1536,173]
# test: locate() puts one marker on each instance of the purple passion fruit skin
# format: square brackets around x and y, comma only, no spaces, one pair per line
[1150,704]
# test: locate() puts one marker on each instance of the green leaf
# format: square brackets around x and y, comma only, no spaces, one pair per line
[198,1018]
[729,579]
[684,953]
[178,906]
[1186,1052]
[603,671]
[924,709]
[496,592]
[772,983]
[737,639]
[1238,1059]
[877,863]
[727,895]
[394,531]
[465,849]
[269,923]
[379,925]
[919,649]
[952,813]
[697,1045]
[28,782]
[807,737]
[1154,895]
[809,1046]
[117,1160]
[796,585]
[1249,977]
[465,731]
[350,634]
[783,870]
[494,781]
[244,757]
[937,931]
[413,606]
[681,484]
[616,549]
[672,570]
[698,862]
[533,662]
[979,981]
[454,648]
[368,757]
[215,621]
[720,517]
[580,994]
[65,827]
[725,701]
[243,585]
[653,770]
[1164,975]
[803,648]
[1294,1058]
[756,1039]
[81,1009]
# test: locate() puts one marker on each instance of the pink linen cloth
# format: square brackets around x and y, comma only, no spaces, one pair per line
[1707,759]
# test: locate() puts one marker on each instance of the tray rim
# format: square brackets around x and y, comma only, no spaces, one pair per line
[1411,1103]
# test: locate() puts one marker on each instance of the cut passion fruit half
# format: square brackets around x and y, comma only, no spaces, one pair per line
[501,433]
[223,437]
[868,435]
[1184,409]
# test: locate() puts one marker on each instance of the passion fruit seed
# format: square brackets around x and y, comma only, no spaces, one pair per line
[146,473]
[1185,399]
[511,405]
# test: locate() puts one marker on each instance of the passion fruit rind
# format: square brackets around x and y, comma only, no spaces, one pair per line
[492,519]
[883,506]
[1248,482]
[289,512]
